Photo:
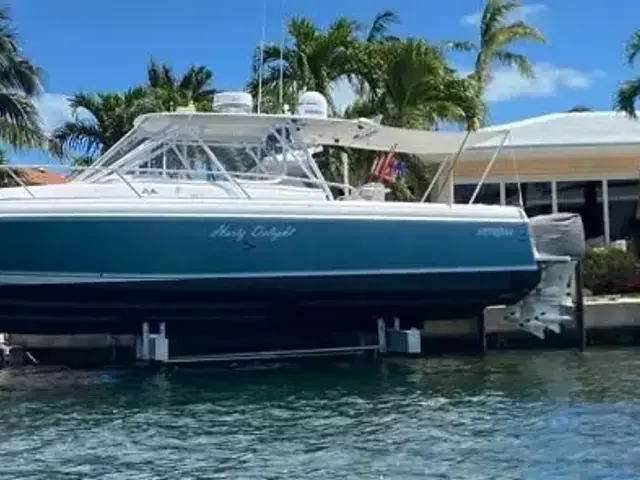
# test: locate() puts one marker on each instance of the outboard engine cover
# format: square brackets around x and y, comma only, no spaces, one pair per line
[559,234]
[559,242]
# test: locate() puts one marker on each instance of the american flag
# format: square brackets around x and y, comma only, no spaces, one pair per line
[385,166]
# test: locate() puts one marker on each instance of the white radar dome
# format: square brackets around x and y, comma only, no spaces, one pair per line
[233,102]
[313,104]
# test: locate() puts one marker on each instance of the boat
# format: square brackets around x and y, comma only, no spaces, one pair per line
[213,220]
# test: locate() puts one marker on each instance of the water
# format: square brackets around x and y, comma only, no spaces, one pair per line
[509,416]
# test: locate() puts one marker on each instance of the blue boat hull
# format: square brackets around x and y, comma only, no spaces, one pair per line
[92,274]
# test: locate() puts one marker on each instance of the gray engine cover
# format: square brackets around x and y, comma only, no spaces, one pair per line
[559,234]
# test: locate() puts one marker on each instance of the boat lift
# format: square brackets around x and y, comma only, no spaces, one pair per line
[156,348]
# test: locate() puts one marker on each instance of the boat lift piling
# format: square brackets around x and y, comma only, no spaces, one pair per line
[482,333]
[578,311]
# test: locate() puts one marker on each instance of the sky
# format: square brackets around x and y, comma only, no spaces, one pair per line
[99,45]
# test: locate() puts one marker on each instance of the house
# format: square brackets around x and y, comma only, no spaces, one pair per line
[40,176]
[586,162]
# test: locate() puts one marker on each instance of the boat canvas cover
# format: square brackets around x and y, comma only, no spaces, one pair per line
[359,133]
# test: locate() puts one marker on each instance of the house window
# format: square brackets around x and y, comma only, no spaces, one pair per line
[536,197]
[584,198]
[489,193]
[623,209]
[513,193]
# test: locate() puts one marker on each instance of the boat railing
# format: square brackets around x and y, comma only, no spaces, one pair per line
[130,178]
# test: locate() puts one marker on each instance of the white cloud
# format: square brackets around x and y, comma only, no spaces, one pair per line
[342,94]
[525,13]
[54,109]
[508,84]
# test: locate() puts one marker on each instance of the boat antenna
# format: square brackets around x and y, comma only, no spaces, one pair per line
[260,71]
[282,45]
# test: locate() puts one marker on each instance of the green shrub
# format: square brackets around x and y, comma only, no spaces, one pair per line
[609,270]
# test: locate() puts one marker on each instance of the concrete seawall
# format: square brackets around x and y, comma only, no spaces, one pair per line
[612,320]
[600,313]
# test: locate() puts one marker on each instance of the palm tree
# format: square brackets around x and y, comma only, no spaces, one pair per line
[629,91]
[20,83]
[112,117]
[497,36]
[6,179]
[367,57]
[314,60]
[193,88]
[410,84]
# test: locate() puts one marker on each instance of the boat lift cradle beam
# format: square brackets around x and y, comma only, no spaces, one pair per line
[155,347]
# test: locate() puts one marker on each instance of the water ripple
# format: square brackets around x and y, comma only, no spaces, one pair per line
[520,416]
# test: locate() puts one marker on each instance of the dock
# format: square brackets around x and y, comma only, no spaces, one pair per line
[610,320]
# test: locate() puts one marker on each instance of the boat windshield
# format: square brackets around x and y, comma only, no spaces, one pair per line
[275,158]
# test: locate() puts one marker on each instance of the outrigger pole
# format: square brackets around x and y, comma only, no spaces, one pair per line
[442,167]
[487,169]
[450,164]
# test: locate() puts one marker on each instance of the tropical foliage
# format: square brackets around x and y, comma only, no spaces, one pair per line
[100,120]
[399,81]
[313,60]
[194,88]
[610,270]
[20,84]
[629,92]
[497,35]
[405,82]
[580,109]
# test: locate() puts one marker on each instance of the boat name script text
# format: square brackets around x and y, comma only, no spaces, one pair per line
[495,232]
[270,233]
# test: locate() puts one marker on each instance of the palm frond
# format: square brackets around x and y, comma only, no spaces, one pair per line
[495,14]
[91,102]
[20,124]
[75,136]
[515,60]
[632,49]
[160,75]
[627,96]
[515,32]
[19,74]
[382,22]
[459,46]
[16,72]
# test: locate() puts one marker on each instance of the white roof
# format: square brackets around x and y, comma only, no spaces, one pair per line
[567,134]
[361,133]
